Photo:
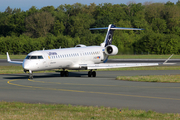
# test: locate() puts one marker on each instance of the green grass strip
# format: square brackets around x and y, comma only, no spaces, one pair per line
[152,78]
[13,56]
[25,111]
[19,69]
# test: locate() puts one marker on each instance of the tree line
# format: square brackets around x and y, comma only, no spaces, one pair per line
[68,25]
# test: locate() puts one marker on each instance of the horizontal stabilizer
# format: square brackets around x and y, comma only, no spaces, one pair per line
[116,28]
[110,31]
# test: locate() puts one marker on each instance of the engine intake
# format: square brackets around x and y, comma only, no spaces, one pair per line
[111,50]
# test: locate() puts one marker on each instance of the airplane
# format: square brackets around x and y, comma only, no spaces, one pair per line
[80,57]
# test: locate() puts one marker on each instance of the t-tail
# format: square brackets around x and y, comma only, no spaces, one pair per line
[110,31]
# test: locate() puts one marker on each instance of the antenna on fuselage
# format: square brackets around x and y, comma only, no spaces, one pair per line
[60,47]
[43,49]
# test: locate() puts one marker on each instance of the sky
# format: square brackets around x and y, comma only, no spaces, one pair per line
[26,4]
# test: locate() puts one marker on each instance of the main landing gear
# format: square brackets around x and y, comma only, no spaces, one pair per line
[30,74]
[64,73]
[92,73]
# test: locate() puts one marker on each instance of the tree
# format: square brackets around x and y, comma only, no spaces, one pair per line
[16,10]
[39,24]
[8,10]
[58,27]
[32,10]
[178,3]
[48,9]
[169,3]
[154,10]
[159,25]
[172,16]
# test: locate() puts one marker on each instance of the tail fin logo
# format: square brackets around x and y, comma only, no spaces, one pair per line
[109,36]
[109,39]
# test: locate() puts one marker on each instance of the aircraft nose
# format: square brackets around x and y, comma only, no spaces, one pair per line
[26,66]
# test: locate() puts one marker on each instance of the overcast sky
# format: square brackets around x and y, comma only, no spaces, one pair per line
[26,4]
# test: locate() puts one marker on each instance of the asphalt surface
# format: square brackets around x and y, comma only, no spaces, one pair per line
[103,90]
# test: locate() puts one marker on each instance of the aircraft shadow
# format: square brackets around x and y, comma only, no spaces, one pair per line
[43,75]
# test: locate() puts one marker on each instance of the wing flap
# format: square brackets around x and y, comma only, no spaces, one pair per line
[105,66]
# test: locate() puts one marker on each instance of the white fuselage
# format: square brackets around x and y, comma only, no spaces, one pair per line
[67,58]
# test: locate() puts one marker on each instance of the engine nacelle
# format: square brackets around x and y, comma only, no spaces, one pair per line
[111,50]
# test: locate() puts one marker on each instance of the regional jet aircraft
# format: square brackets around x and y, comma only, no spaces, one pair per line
[80,57]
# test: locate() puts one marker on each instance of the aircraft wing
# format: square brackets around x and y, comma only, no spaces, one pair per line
[13,62]
[121,65]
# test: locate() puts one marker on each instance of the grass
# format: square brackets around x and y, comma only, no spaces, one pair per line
[111,57]
[16,70]
[11,69]
[19,69]
[13,56]
[26,111]
[152,78]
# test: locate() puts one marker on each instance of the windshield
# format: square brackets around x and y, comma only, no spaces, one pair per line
[27,57]
[34,57]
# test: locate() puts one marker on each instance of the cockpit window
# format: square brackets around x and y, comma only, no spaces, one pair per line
[40,57]
[33,57]
[27,57]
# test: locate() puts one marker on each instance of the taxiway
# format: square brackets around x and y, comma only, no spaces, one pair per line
[103,90]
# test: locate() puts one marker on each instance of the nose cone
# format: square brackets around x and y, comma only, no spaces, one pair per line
[26,65]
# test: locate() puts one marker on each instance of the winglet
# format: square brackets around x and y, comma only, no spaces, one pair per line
[8,58]
[165,62]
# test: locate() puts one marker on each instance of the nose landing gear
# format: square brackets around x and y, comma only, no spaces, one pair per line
[30,74]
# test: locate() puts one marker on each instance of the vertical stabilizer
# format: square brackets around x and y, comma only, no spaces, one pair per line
[109,35]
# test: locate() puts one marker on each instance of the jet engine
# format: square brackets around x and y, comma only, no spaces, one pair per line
[111,50]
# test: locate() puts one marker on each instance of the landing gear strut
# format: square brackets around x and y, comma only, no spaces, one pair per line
[92,73]
[64,73]
[30,74]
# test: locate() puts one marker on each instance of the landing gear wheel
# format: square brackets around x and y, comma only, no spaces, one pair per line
[62,73]
[94,73]
[66,73]
[89,73]
[30,74]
